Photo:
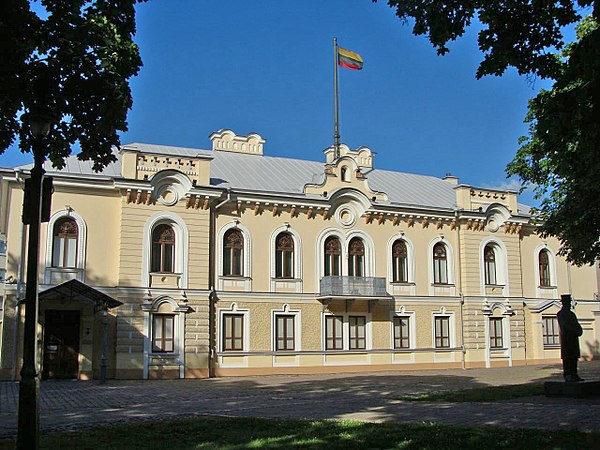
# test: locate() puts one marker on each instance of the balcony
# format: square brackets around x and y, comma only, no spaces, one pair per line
[353,287]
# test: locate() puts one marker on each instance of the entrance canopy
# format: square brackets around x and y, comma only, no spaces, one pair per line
[75,290]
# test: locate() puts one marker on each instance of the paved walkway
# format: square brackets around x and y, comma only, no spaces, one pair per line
[68,405]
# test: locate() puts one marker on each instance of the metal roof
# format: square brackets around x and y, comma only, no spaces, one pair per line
[269,174]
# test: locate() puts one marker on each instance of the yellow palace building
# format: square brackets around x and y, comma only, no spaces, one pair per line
[183,263]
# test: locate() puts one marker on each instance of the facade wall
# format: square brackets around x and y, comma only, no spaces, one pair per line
[503,323]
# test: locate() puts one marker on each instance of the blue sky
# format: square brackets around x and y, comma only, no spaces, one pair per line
[267,67]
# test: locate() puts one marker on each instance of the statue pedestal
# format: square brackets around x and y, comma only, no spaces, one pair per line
[576,390]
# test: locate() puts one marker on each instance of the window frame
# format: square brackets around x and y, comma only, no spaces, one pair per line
[490,266]
[400,262]
[355,341]
[57,234]
[401,338]
[496,333]
[281,261]
[163,244]
[224,318]
[334,320]
[356,257]
[231,254]
[330,258]
[164,339]
[550,340]
[288,317]
[545,277]
[440,337]
[440,265]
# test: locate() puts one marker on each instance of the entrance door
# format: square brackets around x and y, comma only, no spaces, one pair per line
[61,344]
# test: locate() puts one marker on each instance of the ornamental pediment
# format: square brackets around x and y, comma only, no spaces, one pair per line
[346,173]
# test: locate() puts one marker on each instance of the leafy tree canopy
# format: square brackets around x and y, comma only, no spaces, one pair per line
[561,155]
[75,59]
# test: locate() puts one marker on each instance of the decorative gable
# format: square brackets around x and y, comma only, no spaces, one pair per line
[227,141]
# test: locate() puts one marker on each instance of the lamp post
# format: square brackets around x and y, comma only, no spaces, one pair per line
[29,385]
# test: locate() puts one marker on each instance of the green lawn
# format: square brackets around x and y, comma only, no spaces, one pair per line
[483,394]
[252,433]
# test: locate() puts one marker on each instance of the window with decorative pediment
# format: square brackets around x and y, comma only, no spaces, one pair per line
[399,262]
[163,249]
[544,268]
[333,256]
[233,253]
[284,256]
[489,261]
[440,264]
[356,258]
[64,246]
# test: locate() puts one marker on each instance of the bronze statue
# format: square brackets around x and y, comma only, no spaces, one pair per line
[570,330]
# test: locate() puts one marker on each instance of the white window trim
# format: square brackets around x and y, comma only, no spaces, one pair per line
[346,331]
[553,288]
[501,257]
[233,309]
[506,350]
[320,250]
[451,329]
[286,311]
[178,354]
[410,255]
[272,253]
[450,266]
[369,252]
[412,328]
[247,254]
[181,245]
[81,245]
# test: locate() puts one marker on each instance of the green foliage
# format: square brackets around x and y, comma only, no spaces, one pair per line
[561,155]
[76,60]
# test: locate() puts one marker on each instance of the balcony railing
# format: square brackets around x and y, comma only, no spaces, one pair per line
[353,286]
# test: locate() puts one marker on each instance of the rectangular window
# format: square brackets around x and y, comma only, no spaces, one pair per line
[357,325]
[496,332]
[163,333]
[442,332]
[233,332]
[284,332]
[550,331]
[440,271]
[334,333]
[401,333]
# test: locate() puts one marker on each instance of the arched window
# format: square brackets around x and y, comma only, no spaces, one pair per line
[440,264]
[284,256]
[544,267]
[233,252]
[163,249]
[399,262]
[356,258]
[333,256]
[64,246]
[489,263]
[345,174]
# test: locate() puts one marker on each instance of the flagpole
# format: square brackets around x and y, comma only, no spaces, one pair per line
[336,126]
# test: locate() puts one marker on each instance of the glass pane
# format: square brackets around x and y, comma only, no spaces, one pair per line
[227,262]
[336,265]
[278,264]
[169,327]
[155,258]
[280,327]
[238,326]
[237,262]
[329,326]
[71,250]
[168,262]
[289,264]
[57,252]
[157,327]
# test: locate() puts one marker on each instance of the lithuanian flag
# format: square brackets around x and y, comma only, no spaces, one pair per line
[349,60]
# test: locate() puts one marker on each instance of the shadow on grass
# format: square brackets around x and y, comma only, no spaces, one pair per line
[253,433]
